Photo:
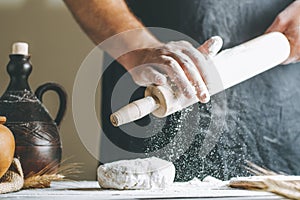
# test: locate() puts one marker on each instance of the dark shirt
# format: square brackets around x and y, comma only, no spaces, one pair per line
[262,114]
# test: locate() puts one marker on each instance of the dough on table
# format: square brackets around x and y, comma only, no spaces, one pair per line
[144,173]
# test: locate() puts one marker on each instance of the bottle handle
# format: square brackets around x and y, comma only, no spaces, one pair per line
[62,98]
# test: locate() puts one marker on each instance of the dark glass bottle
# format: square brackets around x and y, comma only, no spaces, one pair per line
[36,134]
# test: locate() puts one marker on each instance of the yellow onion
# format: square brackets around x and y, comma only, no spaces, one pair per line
[7,147]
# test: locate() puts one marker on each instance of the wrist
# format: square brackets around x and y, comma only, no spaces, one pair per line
[127,46]
[140,39]
[130,40]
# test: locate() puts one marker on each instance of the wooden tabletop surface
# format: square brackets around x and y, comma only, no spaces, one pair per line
[90,190]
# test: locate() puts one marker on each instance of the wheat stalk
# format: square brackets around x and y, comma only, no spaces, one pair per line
[267,180]
[41,181]
[290,190]
[52,172]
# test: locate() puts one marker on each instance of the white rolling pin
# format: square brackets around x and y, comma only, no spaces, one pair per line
[233,66]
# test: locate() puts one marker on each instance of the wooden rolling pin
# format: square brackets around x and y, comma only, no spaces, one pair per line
[232,66]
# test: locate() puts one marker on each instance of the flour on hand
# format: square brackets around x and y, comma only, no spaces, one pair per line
[147,173]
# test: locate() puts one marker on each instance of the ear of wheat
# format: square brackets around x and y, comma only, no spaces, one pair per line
[43,178]
[267,180]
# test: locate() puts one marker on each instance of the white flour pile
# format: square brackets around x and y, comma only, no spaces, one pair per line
[145,173]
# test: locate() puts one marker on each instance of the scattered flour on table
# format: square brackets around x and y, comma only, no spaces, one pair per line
[147,173]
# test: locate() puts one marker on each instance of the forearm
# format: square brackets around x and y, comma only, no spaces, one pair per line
[101,19]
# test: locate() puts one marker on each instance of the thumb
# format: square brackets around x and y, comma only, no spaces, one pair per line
[211,46]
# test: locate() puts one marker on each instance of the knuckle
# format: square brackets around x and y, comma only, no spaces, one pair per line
[160,51]
[171,43]
[168,61]
[138,81]
[188,89]
[186,43]
[169,46]
[158,78]
[147,70]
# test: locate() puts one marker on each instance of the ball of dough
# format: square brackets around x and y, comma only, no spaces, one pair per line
[144,173]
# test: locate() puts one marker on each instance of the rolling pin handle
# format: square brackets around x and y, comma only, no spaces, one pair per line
[133,111]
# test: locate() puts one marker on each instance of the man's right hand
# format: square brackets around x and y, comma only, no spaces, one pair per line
[178,62]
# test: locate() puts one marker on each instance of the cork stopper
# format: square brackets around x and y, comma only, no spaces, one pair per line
[20,48]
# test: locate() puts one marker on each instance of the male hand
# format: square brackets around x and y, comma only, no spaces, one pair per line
[288,22]
[177,61]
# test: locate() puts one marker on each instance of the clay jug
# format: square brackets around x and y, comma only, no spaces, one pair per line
[36,134]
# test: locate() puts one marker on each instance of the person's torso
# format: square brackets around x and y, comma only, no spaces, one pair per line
[234,20]
[262,113]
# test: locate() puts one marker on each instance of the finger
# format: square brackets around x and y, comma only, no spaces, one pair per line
[197,57]
[293,35]
[192,74]
[212,46]
[177,75]
[146,75]
[201,62]
[291,60]
[156,78]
